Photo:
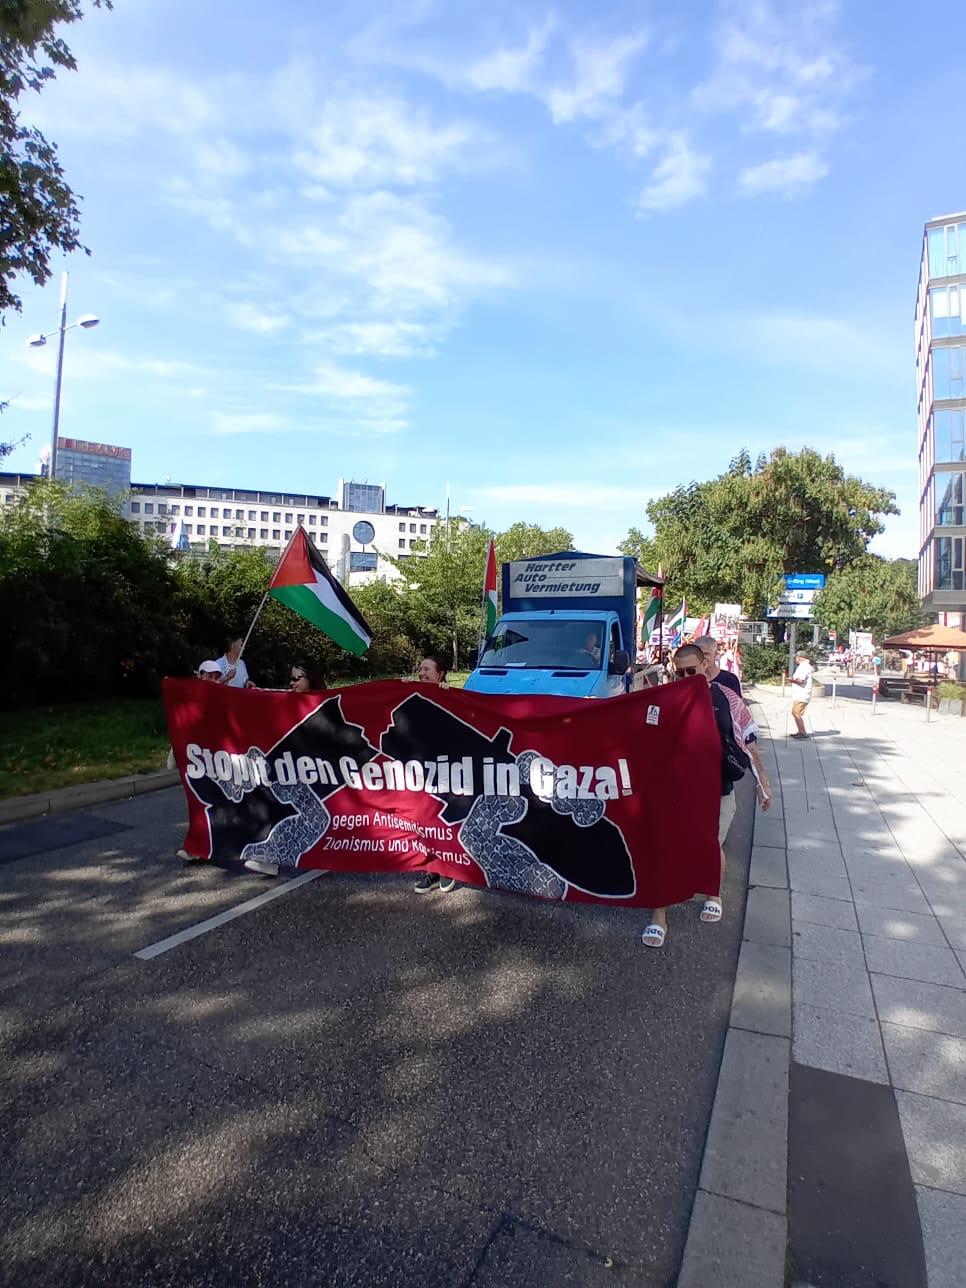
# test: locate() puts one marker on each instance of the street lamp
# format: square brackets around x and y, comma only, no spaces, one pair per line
[86,321]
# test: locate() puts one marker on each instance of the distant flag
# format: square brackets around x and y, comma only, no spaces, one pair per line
[652,612]
[702,627]
[674,626]
[302,581]
[489,591]
[177,537]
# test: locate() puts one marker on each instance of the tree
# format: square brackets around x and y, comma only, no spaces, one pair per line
[641,548]
[733,537]
[872,594]
[527,540]
[39,214]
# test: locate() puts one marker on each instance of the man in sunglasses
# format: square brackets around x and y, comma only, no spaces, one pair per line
[690,660]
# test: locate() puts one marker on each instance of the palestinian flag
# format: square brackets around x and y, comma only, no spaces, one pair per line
[652,612]
[674,627]
[302,582]
[489,592]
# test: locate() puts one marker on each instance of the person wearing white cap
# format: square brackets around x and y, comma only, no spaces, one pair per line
[211,671]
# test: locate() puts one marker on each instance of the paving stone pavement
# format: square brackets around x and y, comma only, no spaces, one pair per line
[872,820]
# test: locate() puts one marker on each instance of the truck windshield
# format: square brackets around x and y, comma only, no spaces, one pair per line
[557,644]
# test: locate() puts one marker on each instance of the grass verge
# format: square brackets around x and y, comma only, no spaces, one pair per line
[42,748]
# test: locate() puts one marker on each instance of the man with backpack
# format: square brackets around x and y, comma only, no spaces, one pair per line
[690,660]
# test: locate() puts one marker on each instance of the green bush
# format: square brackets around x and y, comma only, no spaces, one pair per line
[950,691]
[763,662]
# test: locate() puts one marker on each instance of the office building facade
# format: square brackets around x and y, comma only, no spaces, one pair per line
[941,413]
[236,518]
[84,464]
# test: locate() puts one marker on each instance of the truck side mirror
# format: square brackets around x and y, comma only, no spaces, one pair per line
[474,658]
[620,662]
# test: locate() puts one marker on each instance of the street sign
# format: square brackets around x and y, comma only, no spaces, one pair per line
[787,609]
[804,580]
[798,597]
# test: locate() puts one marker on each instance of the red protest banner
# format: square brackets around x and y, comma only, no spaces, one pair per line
[562,798]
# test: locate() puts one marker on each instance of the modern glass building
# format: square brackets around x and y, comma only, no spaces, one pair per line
[941,387]
[94,465]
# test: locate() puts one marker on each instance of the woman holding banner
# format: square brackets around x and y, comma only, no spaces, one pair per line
[690,660]
[433,670]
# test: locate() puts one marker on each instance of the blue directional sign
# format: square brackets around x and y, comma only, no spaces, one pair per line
[804,580]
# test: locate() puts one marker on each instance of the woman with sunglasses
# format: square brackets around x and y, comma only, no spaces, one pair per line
[690,660]
[306,678]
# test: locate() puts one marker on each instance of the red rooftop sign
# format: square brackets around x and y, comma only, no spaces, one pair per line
[96,449]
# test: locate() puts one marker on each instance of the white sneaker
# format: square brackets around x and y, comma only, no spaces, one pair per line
[183,854]
[266,869]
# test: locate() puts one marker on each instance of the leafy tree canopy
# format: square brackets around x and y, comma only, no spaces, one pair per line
[38,211]
[732,538]
[872,594]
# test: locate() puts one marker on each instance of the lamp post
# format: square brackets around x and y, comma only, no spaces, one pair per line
[86,321]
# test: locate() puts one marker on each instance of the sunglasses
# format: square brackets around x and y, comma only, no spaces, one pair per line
[682,671]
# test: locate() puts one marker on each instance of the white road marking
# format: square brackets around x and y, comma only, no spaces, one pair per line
[212,923]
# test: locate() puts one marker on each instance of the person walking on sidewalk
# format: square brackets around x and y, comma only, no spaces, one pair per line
[801,692]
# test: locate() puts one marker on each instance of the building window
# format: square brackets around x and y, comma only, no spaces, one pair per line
[949,428]
[264,516]
[312,520]
[949,513]
[263,534]
[288,534]
[239,514]
[422,529]
[276,535]
[135,507]
[412,527]
[201,511]
[949,563]
[189,509]
[402,543]
[276,516]
[175,509]
[947,306]
[149,507]
[201,529]
[251,515]
[324,520]
[323,536]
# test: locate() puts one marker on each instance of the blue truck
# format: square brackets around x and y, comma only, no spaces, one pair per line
[568,628]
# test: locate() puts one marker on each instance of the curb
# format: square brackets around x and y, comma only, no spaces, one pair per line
[738,1232]
[18,808]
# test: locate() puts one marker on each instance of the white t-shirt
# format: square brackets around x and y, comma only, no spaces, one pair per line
[240,678]
[802,682]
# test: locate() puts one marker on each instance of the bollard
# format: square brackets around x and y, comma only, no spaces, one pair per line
[928,705]
[784,678]
[875,694]
[835,680]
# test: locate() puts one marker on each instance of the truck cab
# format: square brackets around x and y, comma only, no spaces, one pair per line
[568,628]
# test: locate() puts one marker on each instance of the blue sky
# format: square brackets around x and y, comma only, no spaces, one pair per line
[564,257]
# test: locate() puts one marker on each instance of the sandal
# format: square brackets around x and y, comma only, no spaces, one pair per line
[711,910]
[653,936]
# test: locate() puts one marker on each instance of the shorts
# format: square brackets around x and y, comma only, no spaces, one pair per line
[798,709]
[726,816]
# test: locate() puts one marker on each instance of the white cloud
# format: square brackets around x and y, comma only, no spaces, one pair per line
[248,316]
[511,69]
[333,381]
[368,141]
[679,176]
[779,65]
[600,69]
[784,174]
[570,495]
[386,339]
[251,422]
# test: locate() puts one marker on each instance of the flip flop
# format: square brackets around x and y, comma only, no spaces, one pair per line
[711,910]
[653,936]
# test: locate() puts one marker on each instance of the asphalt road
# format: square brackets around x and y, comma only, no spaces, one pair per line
[351,1085]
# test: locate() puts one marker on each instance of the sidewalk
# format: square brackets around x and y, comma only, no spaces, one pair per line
[869,837]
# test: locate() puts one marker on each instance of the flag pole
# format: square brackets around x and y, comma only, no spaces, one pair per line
[258,610]
[486,565]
